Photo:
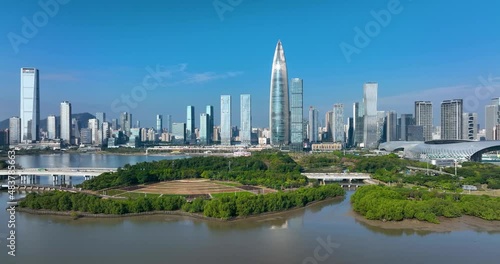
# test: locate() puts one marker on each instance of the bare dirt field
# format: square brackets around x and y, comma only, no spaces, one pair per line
[188,187]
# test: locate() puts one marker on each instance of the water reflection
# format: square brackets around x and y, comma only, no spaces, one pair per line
[395,232]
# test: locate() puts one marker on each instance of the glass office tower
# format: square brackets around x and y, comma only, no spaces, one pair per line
[30,105]
[225,120]
[245,119]
[297,112]
[279,112]
[370,129]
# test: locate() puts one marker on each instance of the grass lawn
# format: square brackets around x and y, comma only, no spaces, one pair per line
[220,195]
[134,195]
[113,192]
[232,184]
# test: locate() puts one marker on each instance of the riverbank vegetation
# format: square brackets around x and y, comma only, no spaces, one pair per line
[392,169]
[395,204]
[223,207]
[270,169]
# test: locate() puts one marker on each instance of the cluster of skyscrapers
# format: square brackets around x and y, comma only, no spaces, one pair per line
[367,128]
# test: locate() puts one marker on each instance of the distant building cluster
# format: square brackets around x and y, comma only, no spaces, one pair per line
[288,129]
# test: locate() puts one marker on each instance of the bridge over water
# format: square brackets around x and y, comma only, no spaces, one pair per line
[345,179]
[57,174]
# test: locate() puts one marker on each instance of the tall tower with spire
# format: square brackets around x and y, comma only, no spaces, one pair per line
[279,111]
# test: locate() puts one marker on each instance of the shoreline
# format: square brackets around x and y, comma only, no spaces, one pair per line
[197,216]
[462,223]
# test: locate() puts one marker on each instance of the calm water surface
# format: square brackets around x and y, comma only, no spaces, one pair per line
[293,237]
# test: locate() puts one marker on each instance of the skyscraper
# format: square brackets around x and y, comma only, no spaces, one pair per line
[126,122]
[313,125]
[391,126]
[66,122]
[492,118]
[350,132]
[245,119]
[469,126]
[114,124]
[101,118]
[105,133]
[168,122]
[381,127]
[329,126]
[406,121]
[75,128]
[338,123]
[179,133]
[30,105]
[370,137]
[297,113]
[14,130]
[159,124]
[423,117]
[204,128]
[94,126]
[451,119]
[190,135]
[210,112]
[51,127]
[358,124]
[225,120]
[279,112]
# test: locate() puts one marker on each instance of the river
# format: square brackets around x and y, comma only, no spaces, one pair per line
[323,233]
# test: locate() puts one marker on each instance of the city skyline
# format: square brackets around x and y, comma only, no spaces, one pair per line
[124,68]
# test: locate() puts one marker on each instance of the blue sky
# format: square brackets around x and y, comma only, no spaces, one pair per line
[93,52]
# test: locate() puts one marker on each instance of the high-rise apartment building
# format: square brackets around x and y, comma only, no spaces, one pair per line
[423,117]
[225,120]
[313,125]
[338,123]
[279,112]
[65,122]
[469,126]
[370,137]
[51,127]
[297,113]
[30,105]
[245,119]
[14,130]
[451,119]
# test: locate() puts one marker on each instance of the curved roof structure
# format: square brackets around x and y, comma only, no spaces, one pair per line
[459,150]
